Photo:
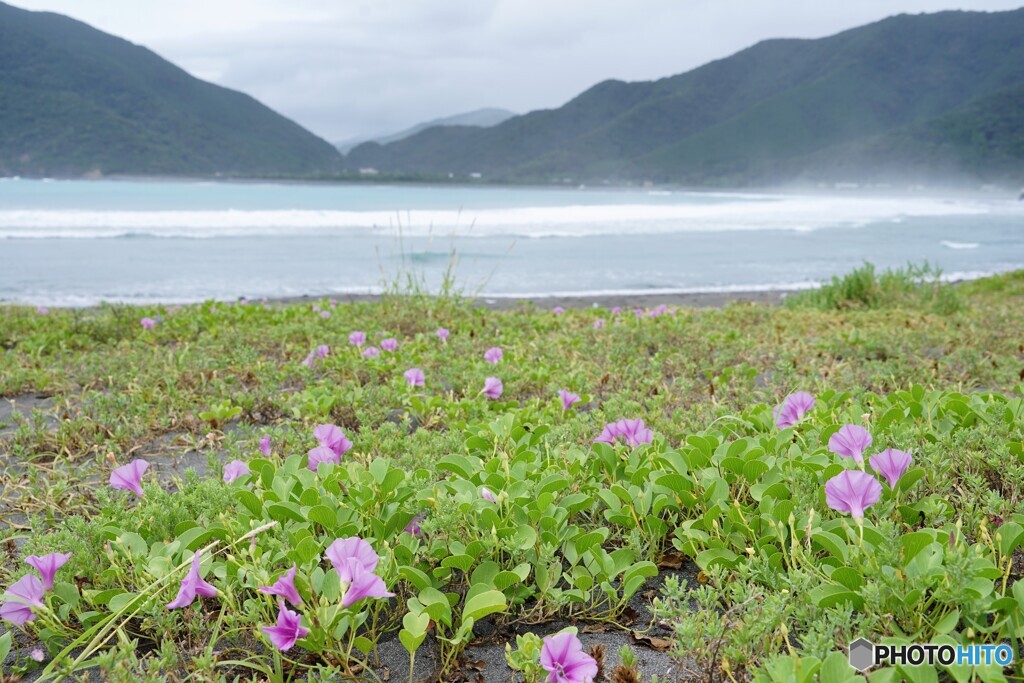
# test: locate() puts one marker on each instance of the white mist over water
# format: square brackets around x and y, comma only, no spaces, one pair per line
[77,243]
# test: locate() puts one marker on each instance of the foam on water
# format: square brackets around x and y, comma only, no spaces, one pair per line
[959,245]
[788,213]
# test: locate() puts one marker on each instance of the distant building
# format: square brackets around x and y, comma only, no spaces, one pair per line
[368,171]
[476,176]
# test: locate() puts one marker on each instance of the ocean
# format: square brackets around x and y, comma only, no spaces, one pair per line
[77,243]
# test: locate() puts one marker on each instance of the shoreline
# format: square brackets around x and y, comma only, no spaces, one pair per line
[771,297]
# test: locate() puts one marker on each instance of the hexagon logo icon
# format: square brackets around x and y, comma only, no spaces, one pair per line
[862,654]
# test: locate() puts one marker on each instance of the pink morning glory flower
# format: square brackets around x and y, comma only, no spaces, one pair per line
[332,437]
[493,354]
[891,464]
[852,491]
[285,587]
[344,549]
[362,583]
[558,310]
[599,323]
[633,432]
[129,477]
[47,566]
[616,310]
[488,495]
[37,654]
[319,353]
[413,527]
[289,628]
[147,323]
[562,656]
[265,446]
[568,398]
[850,442]
[235,469]
[493,388]
[43,310]
[442,334]
[325,314]
[415,378]
[320,454]
[191,586]
[27,593]
[371,352]
[389,344]
[789,412]
[357,338]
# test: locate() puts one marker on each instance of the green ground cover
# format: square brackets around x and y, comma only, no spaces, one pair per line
[577,532]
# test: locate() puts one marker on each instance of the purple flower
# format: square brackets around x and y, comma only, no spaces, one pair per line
[442,333]
[891,464]
[47,566]
[43,310]
[562,656]
[558,310]
[265,446]
[321,454]
[852,491]
[235,469]
[357,338]
[289,628]
[285,587]
[371,352]
[488,495]
[493,388]
[319,353]
[191,586]
[493,354]
[147,323]
[362,584]
[789,412]
[389,344]
[414,376]
[37,654]
[27,593]
[331,436]
[616,310]
[850,442]
[129,477]
[599,323]
[413,527]
[325,314]
[633,432]
[344,549]
[568,399]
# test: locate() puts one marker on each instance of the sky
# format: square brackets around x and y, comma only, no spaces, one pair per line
[352,68]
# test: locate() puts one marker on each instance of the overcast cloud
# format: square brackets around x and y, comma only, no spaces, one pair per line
[358,67]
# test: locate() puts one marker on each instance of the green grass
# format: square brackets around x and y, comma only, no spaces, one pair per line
[578,528]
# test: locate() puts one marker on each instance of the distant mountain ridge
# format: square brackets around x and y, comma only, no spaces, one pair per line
[75,100]
[899,95]
[481,118]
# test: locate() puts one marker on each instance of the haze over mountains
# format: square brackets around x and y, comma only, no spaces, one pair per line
[923,94]
[482,118]
[927,97]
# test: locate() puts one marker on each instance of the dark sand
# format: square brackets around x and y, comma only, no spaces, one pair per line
[626,301]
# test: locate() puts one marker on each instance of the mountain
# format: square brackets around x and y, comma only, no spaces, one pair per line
[481,118]
[75,100]
[777,111]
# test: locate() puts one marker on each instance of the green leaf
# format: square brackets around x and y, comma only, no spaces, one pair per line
[717,556]
[836,669]
[830,596]
[483,604]
[283,511]
[5,645]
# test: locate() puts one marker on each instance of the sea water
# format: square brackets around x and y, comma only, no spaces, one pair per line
[82,242]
